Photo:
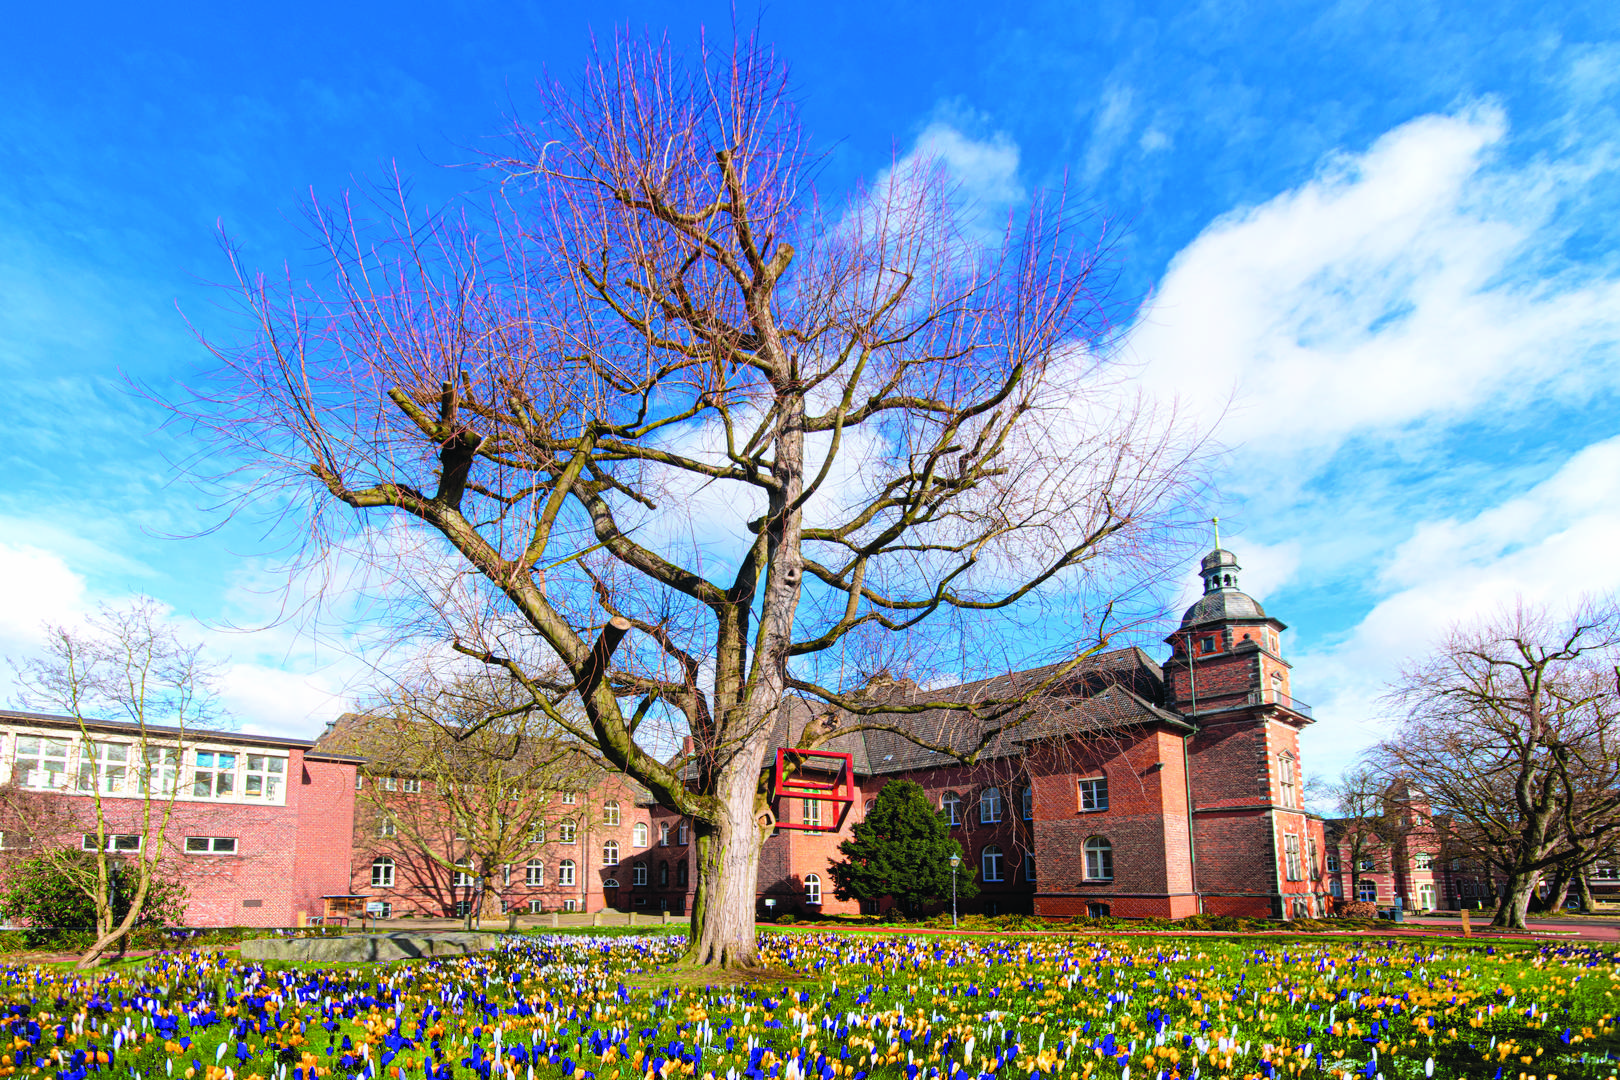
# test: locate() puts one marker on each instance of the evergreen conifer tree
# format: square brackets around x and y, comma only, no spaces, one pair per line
[902,850]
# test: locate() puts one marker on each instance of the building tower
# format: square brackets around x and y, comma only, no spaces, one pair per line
[1256,851]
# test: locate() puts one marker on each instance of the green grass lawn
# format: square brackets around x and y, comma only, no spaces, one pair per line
[594,1006]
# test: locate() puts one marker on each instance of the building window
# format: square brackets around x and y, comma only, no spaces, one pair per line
[812,812]
[663,874]
[536,907]
[610,853]
[41,763]
[570,905]
[663,834]
[1029,868]
[534,874]
[1027,800]
[1097,911]
[611,883]
[102,766]
[610,813]
[1093,794]
[812,889]
[464,876]
[680,873]
[1424,861]
[990,863]
[1099,860]
[387,827]
[682,833]
[389,784]
[1367,890]
[1291,856]
[210,845]
[951,806]
[639,834]
[359,781]
[382,873]
[990,805]
[215,775]
[1206,645]
[462,909]
[160,772]
[1333,862]
[538,835]
[410,787]
[506,876]
[1336,887]
[1365,863]
[565,831]
[115,842]
[565,872]
[1310,851]
[379,909]
[1285,779]
[569,798]
[264,776]
[638,874]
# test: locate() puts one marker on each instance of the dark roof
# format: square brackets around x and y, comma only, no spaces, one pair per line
[124,727]
[1222,605]
[1111,690]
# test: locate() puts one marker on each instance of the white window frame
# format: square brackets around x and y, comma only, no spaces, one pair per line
[638,874]
[536,906]
[463,878]
[1423,860]
[411,786]
[950,804]
[1291,857]
[104,765]
[382,872]
[812,812]
[1367,891]
[610,813]
[163,763]
[1285,779]
[569,798]
[41,769]
[270,776]
[812,890]
[1093,794]
[565,872]
[990,806]
[210,845]
[640,834]
[534,874]
[1099,858]
[610,853]
[117,843]
[387,826]
[567,831]
[991,861]
[681,834]
[209,770]
[663,834]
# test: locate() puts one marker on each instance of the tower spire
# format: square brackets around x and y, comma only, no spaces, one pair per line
[1215,521]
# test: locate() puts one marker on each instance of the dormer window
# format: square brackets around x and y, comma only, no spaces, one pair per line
[1206,645]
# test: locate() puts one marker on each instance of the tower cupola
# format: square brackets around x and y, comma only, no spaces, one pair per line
[1222,601]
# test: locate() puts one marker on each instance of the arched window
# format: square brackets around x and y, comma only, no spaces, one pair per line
[869,804]
[534,874]
[610,813]
[990,805]
[565,831]
[1027,801]
[1099,860]
[990,863]
[950,804]
[638,874]
[812,889]
[610,853]
[1367,890]
[680,873]
[639,834]
[611,883]
[663,873]
[565,872]
[683,834]
[382,873]
[663,834]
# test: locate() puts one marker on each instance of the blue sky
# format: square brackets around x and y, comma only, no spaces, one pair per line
[1374,242]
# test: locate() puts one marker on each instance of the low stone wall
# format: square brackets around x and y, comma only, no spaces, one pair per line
[364,948]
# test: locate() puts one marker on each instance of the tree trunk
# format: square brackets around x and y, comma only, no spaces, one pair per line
[1584,888]
[108,935]
[728,878]
[1511,908]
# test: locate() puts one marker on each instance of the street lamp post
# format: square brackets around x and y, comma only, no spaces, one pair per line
[956,860]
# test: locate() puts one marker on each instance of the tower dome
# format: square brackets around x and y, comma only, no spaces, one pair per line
[1222,600]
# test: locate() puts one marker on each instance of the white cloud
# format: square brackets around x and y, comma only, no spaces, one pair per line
[1388,290]
[40,588]
[1112,124]
[1551,544]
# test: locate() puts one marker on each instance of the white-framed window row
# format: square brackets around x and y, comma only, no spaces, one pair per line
[211,845]
[115,765]
[114,842]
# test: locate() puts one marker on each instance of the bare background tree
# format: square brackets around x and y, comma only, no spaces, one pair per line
[1511,731]
[124,664]
[1366,820]
[461,777]
[675,429]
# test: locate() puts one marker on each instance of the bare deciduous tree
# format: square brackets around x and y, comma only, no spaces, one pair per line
[698,443]
[462,773]
[125,664]
[1511,729]
[1365,820]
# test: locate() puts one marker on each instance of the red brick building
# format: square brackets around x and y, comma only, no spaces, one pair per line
[1132,788]
[259,828]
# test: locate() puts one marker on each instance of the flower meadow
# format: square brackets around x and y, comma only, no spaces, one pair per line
[848,1007]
